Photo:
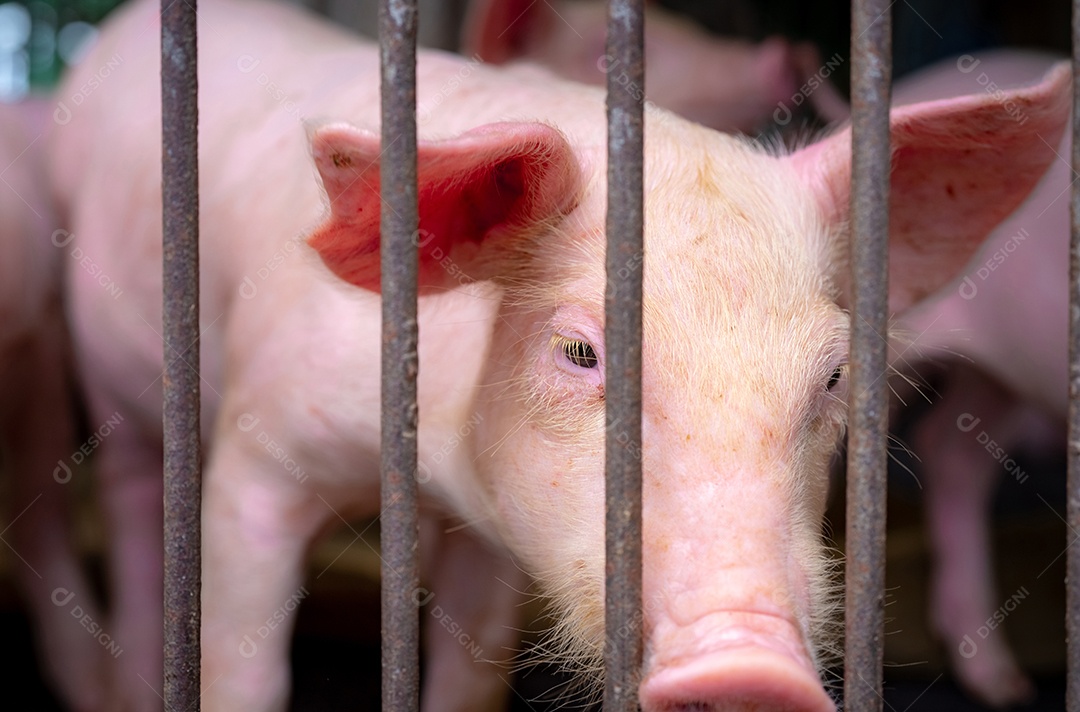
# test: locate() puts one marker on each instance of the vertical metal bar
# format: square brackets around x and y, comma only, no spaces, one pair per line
[622,336]
[1072,594]
[399,223]
[871,49]
[180,324]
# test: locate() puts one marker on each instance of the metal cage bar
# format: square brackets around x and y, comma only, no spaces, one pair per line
[400,362]
[867,437]
[622,336]
[180,324]
[1072,609]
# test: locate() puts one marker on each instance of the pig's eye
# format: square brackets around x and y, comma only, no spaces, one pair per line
[836,377]
[578,352]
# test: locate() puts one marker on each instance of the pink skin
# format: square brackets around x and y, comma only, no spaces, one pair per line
[743,317]
[36,414]
[723,83]
[1009,320]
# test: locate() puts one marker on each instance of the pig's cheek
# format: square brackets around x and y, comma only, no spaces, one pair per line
[544,489]
[823,438]
[507,465]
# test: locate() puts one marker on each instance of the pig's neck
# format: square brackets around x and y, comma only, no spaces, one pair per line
[455,339]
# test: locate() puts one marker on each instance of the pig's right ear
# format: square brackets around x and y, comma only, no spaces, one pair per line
[959,167]
[475,191]
[496,30]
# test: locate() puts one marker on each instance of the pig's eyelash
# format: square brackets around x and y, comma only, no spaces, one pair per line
[838,375]
[577,351]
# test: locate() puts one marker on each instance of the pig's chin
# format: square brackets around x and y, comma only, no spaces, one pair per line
[732,661]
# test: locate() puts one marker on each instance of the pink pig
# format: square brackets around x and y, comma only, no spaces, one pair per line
[1003,324]
[36,411]
[727,84]
[745,345]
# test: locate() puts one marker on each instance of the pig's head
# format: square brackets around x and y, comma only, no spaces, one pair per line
[745,350]
[724,83]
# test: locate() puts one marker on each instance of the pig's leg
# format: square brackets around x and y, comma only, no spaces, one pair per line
[960,480]
[257,527]
[40,434]
[470,614]
[129,469]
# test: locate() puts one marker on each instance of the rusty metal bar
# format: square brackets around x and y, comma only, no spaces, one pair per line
[622,336]
[1072,594]
[399,224]
[871,49]
[180,324]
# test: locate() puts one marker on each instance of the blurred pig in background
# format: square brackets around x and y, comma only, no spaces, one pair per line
[37,430]
[1001,329]
[725,83]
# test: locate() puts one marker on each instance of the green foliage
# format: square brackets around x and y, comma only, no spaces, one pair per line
[41,56]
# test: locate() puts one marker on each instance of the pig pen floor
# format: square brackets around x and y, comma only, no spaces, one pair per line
[336,652]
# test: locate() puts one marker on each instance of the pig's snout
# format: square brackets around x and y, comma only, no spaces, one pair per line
[742,667]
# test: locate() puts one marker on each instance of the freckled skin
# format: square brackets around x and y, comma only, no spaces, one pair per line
[743,332]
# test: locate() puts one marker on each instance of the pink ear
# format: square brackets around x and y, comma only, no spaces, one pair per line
[497,30]
[960,167]
[482,186]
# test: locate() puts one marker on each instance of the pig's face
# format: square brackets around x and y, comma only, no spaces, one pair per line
[744,351]
[744,357]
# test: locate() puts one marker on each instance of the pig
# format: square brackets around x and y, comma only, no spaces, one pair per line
[724,83]
[37,412]
[1002,327]
[968,436]
[745,344]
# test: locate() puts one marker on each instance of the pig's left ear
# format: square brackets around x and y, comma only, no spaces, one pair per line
[476,190]
[959,167]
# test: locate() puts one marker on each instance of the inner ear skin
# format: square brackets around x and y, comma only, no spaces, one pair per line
[451,213]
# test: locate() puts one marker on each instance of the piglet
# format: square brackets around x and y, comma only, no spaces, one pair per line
[725,83]
[1002,326]
[745,344]
[36,413]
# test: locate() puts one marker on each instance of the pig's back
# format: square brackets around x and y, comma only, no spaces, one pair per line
[257,188]
[263,86]
[268,74]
